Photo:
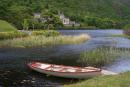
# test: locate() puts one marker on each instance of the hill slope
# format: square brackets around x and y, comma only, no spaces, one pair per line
[76,9]
[6,27]
[100,8]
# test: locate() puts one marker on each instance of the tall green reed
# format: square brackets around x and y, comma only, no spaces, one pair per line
[103,55]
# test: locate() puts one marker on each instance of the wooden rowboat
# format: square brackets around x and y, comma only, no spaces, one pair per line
[65,71]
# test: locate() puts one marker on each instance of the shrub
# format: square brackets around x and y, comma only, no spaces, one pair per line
[11,35]
[46,33]
[127,29]
[127,32]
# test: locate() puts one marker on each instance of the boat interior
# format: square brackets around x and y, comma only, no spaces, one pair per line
[61,68]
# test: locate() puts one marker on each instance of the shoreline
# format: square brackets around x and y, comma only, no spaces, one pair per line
[84,28]
[34,41]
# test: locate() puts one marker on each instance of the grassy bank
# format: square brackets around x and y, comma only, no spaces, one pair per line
[121,80]
[18,34]
[6,27]
[125,36]
[103,55]
[45,33]
[12,34]
[34,41]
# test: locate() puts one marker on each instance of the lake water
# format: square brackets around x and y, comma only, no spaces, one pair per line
[13,61]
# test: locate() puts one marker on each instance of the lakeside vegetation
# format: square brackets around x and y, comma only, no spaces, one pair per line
[100,57]
[11,35]
[8,31]
[120,35]
[42,41]
[121,80]
[103,55]
[126,32]
[46,33]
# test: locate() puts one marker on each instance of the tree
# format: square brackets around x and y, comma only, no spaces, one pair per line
[18,14]
[34,24]
[25,24]
[127,29]
[127,26]
[51,20]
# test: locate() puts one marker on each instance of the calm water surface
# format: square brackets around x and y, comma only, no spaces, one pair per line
[15,73]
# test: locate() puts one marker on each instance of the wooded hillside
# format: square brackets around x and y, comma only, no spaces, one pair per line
[99,13]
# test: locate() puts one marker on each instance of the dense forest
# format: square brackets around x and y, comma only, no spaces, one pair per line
[98,13]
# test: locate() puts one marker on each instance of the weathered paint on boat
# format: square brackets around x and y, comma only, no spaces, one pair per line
[65,71]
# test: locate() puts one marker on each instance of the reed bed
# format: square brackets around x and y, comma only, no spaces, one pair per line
[42,41]
[17,34]
[103,55]
[12,34]
[45,33]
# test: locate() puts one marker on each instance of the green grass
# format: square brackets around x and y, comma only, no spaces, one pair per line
[45,33]
[125,36]
[6,27]
[103,55]
[12,34]
[42,41]
[121,80]
[16,34]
